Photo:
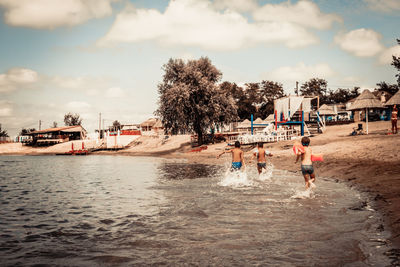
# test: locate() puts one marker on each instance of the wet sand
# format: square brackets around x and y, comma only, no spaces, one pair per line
[371,162]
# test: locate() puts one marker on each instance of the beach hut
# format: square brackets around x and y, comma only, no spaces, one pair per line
[365,101]
[326,111]
[394,100]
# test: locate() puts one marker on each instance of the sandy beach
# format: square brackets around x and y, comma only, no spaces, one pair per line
[368,162]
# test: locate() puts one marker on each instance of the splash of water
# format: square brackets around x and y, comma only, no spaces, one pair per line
[266,174]
[237,178]
[308,193]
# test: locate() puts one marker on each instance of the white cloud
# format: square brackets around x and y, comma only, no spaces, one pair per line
[17,77]
[361,42]
[304,13]
[288,75]
[88,84]
[236,5]
[77,105]
[384,5]
[198,23]
[115,92]
[6,109]
[386,56]
[49,14]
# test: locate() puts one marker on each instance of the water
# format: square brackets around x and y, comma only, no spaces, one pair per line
[124,211]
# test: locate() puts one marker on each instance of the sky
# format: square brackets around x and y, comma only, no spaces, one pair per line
[106,56]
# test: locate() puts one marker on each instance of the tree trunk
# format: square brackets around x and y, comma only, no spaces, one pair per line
[200,137]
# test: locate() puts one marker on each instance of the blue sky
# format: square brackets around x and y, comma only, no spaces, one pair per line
[87,56]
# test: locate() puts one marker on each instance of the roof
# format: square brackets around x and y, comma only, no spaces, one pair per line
[149,123]
[270,117]
[158,124]
[366,100]
[65,129]
[258,121]
[394,100]
[326,110]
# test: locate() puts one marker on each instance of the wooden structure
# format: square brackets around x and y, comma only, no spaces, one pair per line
[52,136]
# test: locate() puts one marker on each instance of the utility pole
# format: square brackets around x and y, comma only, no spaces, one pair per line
[297,88]
[40,125]
[99,125]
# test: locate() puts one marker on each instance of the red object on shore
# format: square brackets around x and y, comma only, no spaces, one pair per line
[199,149]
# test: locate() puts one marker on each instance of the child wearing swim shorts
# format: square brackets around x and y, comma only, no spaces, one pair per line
[307,168]
[261,153]
[237,156]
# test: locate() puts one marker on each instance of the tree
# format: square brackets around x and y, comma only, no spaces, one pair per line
[25,131]
[269,92]
[388,88]
[55,124]
[315,87]
[396,64]
[72,119]
[3,133]
[117,125]
[342,95]
[190,100]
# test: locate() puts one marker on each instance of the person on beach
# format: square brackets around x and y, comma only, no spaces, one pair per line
[261,153]
[394,120]
[307,168]
[237,157]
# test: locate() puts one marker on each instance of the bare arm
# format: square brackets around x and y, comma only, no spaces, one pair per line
[223,152]
[298,157]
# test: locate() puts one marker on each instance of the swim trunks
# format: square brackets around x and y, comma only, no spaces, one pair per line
[236,165]
[307,169]
[262,165]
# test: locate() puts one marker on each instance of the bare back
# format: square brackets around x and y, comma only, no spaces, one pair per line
[237,155]
[306,156]
[261,155]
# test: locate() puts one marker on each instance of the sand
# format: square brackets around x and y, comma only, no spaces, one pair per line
[369,162]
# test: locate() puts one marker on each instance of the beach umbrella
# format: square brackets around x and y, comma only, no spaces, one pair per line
[365,101]
[394,100]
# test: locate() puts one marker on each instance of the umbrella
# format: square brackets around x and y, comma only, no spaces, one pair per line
[394,100]
[366,100]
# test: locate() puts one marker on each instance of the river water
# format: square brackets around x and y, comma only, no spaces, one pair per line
[124,211]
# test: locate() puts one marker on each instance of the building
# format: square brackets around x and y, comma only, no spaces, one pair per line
[52,136]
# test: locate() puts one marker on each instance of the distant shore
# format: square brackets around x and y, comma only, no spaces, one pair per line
[371,162]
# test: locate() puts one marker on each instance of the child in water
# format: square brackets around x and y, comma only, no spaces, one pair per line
[307,168]
[237,156]
[261,154]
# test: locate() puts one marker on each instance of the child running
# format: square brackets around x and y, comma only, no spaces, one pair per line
[237,157]
[261,154]
[307,168]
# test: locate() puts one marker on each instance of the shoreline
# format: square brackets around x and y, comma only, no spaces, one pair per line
[370,163]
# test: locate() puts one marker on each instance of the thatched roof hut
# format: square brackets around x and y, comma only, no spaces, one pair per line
[326,110]
[394,100]
[366,100]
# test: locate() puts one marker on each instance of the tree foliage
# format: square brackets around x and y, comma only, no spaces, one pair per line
[55,124]
[25,131]
[388,88]
[72,119]
[396,64]
[189,98]
[341,95]
[3,132]
[116,125]
[269,92]
[314,87]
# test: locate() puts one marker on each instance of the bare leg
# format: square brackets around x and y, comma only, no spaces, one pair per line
[306,179]
[259,169]
[312,177]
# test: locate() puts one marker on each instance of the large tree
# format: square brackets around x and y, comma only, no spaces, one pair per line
[315,87]
[72,119]
[190,99]
[396,64]
[269,92]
